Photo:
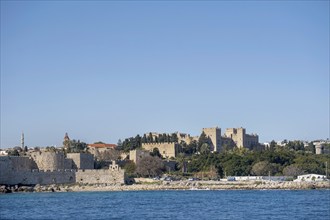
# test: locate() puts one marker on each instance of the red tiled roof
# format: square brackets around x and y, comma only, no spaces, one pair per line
[102,145]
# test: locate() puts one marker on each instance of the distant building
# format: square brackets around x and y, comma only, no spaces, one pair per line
[3,153]
[100,147]
[167,150]
[137,154]
[320,148]
[214,135]
[81,161]
[66,141]
[241,139]
[310,178]
[54,168]
[186,138]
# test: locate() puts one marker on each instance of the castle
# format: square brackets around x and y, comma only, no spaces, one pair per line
[51,167]
[233,137]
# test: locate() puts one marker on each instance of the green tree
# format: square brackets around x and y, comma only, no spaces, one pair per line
[203,139]
[272,145]
[181,162]
[13,152]
[130,168]
[205,148]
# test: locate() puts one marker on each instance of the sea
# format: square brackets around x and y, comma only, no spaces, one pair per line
[190,204]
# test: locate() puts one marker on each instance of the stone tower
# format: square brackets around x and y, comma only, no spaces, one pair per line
[215,138]
[66,141]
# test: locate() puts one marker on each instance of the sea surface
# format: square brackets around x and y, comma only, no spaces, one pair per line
[222,204]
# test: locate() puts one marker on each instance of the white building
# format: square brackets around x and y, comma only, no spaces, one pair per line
[310,178]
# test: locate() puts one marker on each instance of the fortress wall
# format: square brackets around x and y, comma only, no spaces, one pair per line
[10,164]
[68,163]
[100,176]
[5,169]
[137,154]
[39,177]
[49,160]
[82,161]
[165,149]
[17,163]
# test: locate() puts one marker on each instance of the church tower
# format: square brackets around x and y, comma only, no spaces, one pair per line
[66,141]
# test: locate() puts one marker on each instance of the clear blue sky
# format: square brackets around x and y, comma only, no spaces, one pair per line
[108,70]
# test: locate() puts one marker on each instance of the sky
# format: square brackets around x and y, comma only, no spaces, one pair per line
[108,70]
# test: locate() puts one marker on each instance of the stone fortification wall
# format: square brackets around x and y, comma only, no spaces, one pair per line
[17,163]
[23,170]
[137,155]
[38,177]
[68,163]
[100,176]
[251,141]
[241,139]
[49,160]
[82,161]
[165,149]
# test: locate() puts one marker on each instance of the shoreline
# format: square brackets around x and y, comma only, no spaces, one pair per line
[167,185]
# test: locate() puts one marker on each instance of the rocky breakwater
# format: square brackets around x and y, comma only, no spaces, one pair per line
[153,185]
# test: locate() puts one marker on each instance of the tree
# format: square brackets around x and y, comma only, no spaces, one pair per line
[76,146]
[205,148]
[144,139]
[292,170]
[272,145]
[203,139]
[263,168]
[130,168]
[310,148]
[191,148]
[150,166]
[119,143]
[150,138]
[13,153]
[174,137]
[181,162]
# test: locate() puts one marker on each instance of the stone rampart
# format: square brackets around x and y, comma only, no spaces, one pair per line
[49,160]
[165,149]
[82,161]
[100,176]
[38,177]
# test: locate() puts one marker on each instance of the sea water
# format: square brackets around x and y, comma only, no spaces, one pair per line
[222,204]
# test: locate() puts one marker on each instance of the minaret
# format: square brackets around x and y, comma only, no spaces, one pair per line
[22,141]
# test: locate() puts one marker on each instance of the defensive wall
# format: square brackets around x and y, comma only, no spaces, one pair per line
[81,161]
[137,154]
[24,170]
[113,175]
[34,177]
[50,160]
[165,149]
